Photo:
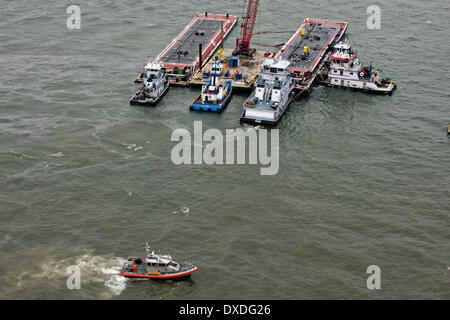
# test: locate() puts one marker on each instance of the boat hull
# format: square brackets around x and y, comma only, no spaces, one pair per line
[265,121]
[389,90]
[167,276]
[258,122]
[137,102]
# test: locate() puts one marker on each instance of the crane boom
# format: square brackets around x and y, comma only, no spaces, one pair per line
[243,43]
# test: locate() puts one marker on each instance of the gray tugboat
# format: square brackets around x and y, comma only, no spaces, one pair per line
[156,266]
[272,95]
[154,86]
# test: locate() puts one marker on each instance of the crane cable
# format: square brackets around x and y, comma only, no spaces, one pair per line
[271,45]
[271,31]
[268,45]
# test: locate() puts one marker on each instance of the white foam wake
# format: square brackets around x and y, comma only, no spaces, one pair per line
[93,269]
[106,270]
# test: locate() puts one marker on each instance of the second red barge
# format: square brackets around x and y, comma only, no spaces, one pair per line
[294,69]
[308,48]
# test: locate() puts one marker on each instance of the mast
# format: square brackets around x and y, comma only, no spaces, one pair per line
[216,72]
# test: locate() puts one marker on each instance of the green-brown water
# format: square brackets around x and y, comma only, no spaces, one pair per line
[86,179]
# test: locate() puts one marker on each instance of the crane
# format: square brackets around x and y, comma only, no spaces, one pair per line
[243,43]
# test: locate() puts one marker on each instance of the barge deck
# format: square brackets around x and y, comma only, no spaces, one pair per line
[247,68]
[308,48]
[182,58]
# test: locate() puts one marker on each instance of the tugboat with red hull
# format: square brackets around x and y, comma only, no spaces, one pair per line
[156,266]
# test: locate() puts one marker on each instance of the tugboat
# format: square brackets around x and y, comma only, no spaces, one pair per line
[154,86]
[272,95]
[156,266]
[215,94]
[346,70]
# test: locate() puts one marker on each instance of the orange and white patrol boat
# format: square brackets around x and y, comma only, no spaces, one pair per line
[156,266]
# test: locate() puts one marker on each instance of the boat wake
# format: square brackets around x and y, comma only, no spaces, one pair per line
[106,270]
[94,270]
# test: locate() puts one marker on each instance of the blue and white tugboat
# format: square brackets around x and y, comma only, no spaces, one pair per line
[215,94]
[347,71]
[154,86]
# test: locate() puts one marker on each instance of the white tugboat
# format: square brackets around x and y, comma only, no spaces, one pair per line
[346,70]
[154,86]
[272,95]
[215,94]
[156,266]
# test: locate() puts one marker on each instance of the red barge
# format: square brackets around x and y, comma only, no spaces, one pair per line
[308,48]
[194,46]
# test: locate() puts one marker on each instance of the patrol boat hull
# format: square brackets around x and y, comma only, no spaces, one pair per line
[143,273]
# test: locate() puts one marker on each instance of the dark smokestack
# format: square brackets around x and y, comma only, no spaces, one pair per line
[200,55]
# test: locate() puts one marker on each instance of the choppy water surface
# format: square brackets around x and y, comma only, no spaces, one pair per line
[86,179]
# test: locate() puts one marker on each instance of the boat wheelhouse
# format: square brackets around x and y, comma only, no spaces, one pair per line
[346,70]
[154,86]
